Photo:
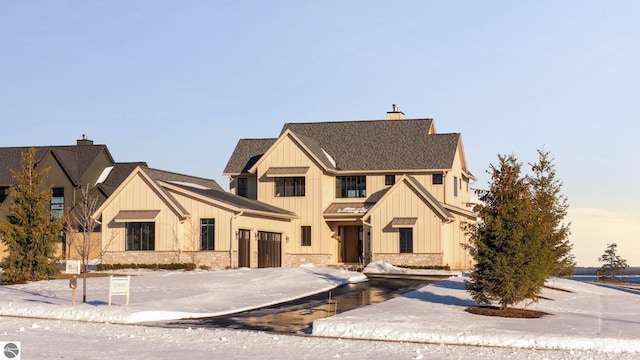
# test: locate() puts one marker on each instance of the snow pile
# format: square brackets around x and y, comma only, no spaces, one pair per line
[583,317]
[381,267]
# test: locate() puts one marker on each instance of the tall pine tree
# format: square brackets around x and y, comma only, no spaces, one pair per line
[510,258]
[551,207]
[29,233]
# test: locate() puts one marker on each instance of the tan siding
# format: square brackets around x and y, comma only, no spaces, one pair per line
[309,207]
[405,202]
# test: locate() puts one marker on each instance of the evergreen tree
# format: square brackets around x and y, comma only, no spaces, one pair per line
[29,233]
[552,207]
[614,264]
[510,258]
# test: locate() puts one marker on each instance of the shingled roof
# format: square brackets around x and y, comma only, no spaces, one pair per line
[117,174]
[169,176]
[381,145]
[237,201]
[360,146]
[74,159]
[246,154]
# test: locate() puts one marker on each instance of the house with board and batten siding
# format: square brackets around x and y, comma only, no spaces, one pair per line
[392,190]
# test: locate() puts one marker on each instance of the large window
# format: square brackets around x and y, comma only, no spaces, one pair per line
[57,203]
[351,186]
[141,236]
[207,234]
[305,236]
[406,240]
[242,187]
[289,186]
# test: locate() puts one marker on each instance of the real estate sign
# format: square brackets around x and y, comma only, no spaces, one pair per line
[119,285]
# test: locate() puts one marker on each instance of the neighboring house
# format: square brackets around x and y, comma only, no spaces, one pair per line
[70,168]
[156,216]
[391,190]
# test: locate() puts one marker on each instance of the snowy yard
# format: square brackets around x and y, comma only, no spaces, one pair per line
[586,321]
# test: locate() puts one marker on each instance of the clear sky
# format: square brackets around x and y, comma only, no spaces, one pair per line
[177,83]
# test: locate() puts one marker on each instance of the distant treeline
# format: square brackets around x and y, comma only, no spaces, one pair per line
[592,271]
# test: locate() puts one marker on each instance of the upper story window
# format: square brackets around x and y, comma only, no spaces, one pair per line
[289,186]
[455,186]
[140,236]
[436,179]
[207,234]
[351,186]
[389,180]
[57,203]
[242,190]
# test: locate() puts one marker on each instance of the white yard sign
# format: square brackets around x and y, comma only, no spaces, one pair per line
[72,267]
[119,285]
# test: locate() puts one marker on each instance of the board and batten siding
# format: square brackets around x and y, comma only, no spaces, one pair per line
[405,202]
[139,195]
[309,208]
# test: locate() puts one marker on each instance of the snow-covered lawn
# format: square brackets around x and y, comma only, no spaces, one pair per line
[586,321]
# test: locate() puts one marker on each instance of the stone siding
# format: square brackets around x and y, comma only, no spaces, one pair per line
[294,260]
[212,259]
[428,259]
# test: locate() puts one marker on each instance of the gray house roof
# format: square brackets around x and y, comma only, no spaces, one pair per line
[381,144]
[116,176]
[236,201]
[247,153]
[168,176]
[73,159]
[385,145]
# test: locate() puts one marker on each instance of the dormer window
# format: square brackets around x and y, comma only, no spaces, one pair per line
[351,186]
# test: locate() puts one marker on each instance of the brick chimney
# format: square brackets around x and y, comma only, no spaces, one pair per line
[84,141]
[396,114]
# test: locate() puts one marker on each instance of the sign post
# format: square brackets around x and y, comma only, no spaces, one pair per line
[73,284]
[119,285]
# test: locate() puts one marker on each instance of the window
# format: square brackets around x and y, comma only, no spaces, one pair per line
[4,192]
[305,236]
[289,186]
[242,187]
[406,240]
[57,203]
[436,179]
[351,186]
[455,186]
[389,179]
[207,234]
[140,236]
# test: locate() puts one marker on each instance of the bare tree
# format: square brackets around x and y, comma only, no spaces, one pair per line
[189,245]
[84,246]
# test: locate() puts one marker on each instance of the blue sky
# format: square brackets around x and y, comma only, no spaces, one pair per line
[176,84]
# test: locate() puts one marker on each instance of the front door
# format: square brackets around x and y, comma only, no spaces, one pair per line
[351,241]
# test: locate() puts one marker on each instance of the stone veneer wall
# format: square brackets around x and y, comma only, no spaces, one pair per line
[428,259]
[294,260]
[213,259]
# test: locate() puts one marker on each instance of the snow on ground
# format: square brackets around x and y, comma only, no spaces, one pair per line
[591,322]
